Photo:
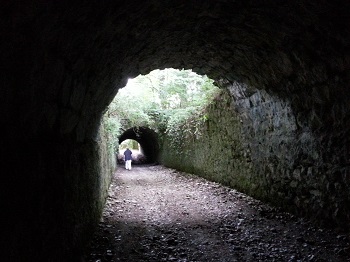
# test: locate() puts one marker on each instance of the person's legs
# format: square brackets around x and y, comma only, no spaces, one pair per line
[128,164]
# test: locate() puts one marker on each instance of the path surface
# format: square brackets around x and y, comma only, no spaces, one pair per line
[158,214]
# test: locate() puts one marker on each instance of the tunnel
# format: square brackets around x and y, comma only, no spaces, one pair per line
[286,66]
[148,140]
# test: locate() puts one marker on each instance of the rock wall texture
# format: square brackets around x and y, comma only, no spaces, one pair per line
[62,62]
[218,153]
[300,167]
[254,143]
[52,209]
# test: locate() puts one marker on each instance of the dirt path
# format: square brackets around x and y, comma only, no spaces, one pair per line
[158,214]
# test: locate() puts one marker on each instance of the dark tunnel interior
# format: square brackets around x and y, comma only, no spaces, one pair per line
[285,66]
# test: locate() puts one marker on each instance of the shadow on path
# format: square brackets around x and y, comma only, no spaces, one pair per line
[155,213]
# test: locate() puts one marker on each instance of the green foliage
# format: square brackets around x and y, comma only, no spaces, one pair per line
[182,88]
[129,143]
[185,123]
[169,101]
[112,128]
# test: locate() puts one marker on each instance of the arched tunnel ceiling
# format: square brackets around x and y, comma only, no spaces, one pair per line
[88,51]
[147,138]
[64,61]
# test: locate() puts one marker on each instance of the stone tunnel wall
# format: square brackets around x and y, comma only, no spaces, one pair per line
[93,164]
[62,63]
[254,143]
[54,208]
[218,154]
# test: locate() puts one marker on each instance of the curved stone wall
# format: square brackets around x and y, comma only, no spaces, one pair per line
[254,144]
[62,63]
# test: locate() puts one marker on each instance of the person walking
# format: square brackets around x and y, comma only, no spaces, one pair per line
[127,158]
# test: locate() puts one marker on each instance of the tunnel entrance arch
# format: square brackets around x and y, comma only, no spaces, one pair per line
[148,140]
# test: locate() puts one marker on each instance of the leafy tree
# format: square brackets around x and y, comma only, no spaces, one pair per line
[162,100]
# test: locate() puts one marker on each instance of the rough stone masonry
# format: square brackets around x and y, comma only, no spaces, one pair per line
[286,65]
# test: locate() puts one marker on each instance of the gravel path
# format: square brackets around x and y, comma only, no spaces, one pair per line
[157,214]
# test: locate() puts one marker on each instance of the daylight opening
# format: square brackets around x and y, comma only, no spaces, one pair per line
[138,156]
[161,102]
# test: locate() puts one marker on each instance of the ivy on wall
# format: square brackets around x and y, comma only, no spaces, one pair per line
[168,101]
